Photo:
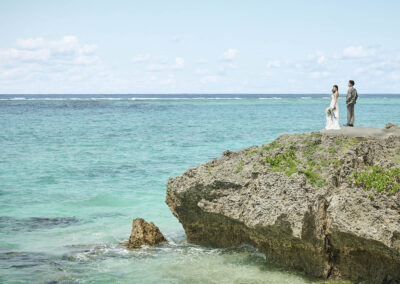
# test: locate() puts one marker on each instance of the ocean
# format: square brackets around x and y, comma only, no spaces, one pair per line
[76,169]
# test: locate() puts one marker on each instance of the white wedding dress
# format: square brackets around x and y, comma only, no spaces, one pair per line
[332,120]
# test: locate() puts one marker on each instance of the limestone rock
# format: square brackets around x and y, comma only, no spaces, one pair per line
[298,201]
[144,233]
[391,126]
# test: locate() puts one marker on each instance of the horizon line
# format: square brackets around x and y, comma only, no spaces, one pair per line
[179,94]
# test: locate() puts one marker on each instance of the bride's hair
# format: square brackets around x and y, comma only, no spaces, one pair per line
[336,86]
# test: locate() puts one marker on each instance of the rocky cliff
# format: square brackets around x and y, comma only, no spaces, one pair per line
[326,203]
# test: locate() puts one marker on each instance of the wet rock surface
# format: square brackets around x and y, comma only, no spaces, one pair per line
[304,200]
[144,234]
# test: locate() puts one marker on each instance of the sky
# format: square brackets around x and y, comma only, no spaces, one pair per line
[208,46]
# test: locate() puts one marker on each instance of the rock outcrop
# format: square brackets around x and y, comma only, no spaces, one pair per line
[391,126]
[144,234]
[325,203]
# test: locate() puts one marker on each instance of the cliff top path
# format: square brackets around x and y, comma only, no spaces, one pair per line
[363,131]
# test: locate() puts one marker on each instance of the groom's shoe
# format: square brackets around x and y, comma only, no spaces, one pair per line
[351,125]
[346,124]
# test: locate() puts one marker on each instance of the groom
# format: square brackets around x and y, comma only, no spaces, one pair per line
[351,99]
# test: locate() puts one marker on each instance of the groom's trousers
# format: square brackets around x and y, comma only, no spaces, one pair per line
[350,114]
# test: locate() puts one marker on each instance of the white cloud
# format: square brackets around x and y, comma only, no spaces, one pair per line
[141,58]
[67,51]
[322,74]
[224,68]
[358,52]
[38,63]
[314,66]
[176,38]
[170,79]
[31,43]
[321,59]
[201,71]
[67,45]
[179,63]
[274,64]
[395,76]
[13,73]
[14,54]
[317,57]
[156,67]
[266,74]
[89,48]
[230,54]
[209,79]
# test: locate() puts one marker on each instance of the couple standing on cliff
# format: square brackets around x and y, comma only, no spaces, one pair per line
[332,112]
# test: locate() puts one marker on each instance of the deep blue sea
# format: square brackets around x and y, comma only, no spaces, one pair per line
[76,169]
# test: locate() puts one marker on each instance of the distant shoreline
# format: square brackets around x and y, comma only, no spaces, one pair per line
[196,94]
[181,96]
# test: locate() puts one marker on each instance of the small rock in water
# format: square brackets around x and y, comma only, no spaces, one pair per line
[144,233]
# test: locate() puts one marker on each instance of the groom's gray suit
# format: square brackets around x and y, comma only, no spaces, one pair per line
[351,99]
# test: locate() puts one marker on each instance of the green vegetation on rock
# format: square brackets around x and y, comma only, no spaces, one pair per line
[240,167]
[288,163]
[251,153]
[310,182]
[312,144]
[336,163]
[270,146]
[381,180]
[314,178]
[284,161]
[371,196]
[347,143]
[397,158]
[332,150]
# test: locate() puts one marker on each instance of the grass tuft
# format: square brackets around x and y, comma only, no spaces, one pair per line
[332,150]
[270,146]
[381,180]
[314,178]
[251,153]
[240,167]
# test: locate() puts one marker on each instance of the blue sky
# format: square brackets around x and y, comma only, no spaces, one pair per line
[140,47]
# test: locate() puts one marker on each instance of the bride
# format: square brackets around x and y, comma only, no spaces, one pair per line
[332,112]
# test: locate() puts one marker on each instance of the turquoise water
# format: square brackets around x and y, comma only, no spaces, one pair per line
[75,171]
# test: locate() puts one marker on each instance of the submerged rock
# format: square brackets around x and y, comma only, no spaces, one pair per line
[325,203]
[8,223]
[144,234]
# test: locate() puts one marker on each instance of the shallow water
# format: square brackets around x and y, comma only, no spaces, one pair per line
[74,171]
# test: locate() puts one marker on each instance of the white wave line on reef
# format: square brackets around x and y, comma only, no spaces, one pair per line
[273,98]
[115,99]
[161,99]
